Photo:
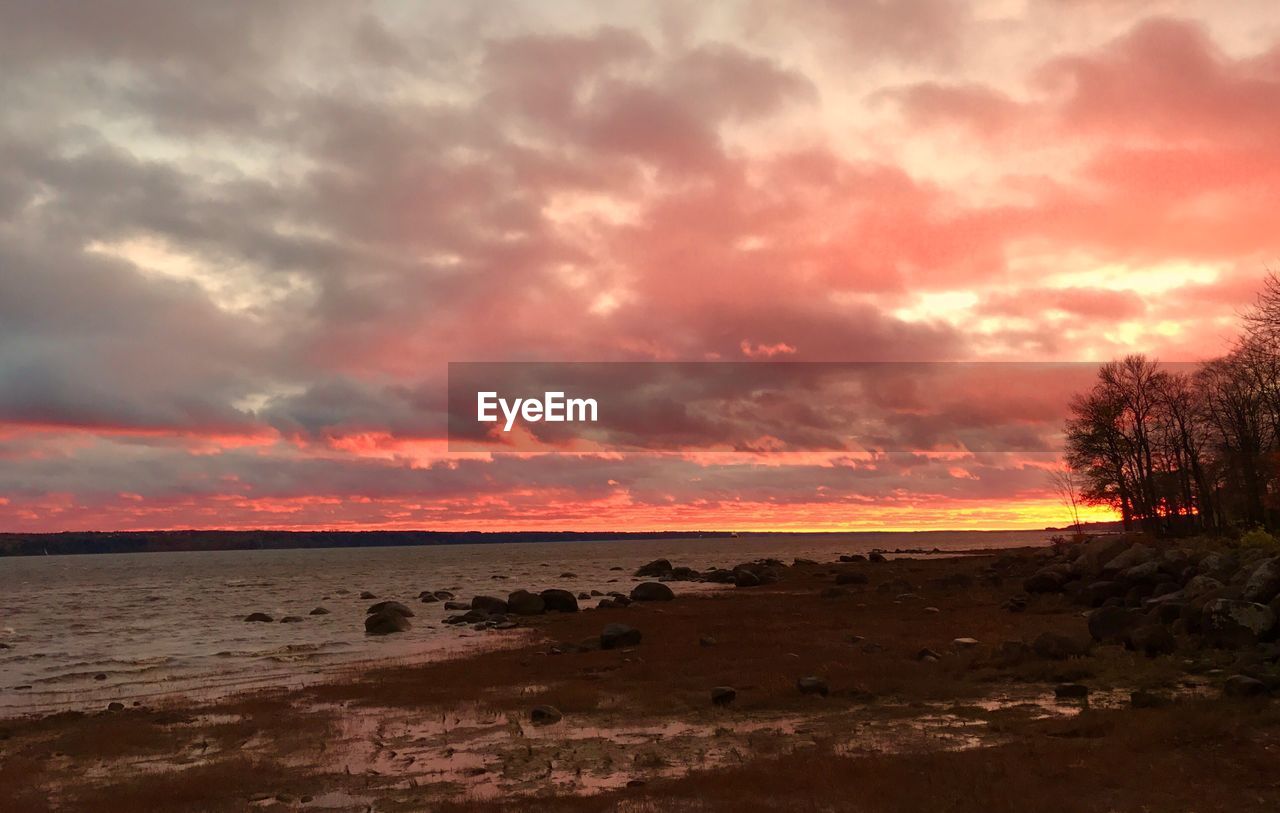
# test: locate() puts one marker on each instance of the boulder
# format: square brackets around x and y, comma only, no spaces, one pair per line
[1151,640]
[366,595]
[812,685]
[1046,580]
[657,567]
[652,591]
[261,618]
[390,606]
[614,636]
[723,695]
[489,604]
[457,605]
[1233,623]
[545,715]
[1146,573]
[1111,625]
[745,578]
[876,556]
[319,611]
[1071,691]
[291,619]
[561,601]
[522,602]
[385,622]
[1263,583]
[965,643]
[1095,593]
[857,557]
[1201,585]
[1136,554]
[427,597]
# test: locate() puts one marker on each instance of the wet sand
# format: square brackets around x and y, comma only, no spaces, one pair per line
[963,726]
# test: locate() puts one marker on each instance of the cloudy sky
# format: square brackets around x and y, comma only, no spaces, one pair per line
[240,242]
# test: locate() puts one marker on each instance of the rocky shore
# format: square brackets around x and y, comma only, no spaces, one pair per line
[1118,673]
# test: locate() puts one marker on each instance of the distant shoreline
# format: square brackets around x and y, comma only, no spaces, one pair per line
[105,542]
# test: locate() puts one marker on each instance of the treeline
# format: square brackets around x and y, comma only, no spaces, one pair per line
[1178,451]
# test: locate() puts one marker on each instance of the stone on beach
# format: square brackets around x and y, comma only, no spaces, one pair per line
[812,685]
[561,601]
[614,636]
[319,611]
[723,695]
[489,604]
[652,591]
[385,622]
[522,602]
[393,606]
[1070,691]
[261,618]
[1243,686]
[657,567]
[366,595]
[545,715]
[291,619]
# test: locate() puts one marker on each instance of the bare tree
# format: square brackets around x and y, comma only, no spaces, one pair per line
[1065,483]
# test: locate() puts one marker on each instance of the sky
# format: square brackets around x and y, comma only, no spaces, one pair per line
[241,242]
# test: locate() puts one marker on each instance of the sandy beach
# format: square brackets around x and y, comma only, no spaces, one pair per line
[907,684]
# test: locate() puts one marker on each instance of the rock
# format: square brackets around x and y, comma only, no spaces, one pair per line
[1111,625]
[489,604]
[261,618]
[857,557]
[706,640]
[812,685]
[1243,686]
[614,636]
[652,591]
[1263,583]
[385,622]
[443,595]
[851,578]
[723,695]
[319,611]
[607,604]
[522,602]
[366,595]
[965,643]
[927,654]
[876,556]
[1145,573]
[568,575]
[427,597]
[1141,699]
[1070,691]
[561,601]
[291,619]
[1048,580]
[932,610]
[1095,593]
[545,715]
[115,706]
[1137,554]
[100,676]
[1151,640]
[389,606]
[657,567]
[745,578]
[1231,623]
[1201,585]
[682,574]
[457,605]
[1057,647]
[1012,653]
[584,596]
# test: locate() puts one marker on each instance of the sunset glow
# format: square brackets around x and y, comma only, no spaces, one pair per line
[237,255]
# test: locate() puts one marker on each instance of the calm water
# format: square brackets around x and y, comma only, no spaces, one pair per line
[163,623]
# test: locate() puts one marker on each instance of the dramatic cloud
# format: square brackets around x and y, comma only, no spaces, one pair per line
[240,243]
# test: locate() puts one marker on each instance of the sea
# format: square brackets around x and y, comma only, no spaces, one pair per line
[80,631]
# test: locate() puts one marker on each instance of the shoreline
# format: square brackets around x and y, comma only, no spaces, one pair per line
[638,723]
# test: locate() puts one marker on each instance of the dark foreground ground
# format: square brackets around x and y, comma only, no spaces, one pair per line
[965,726]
